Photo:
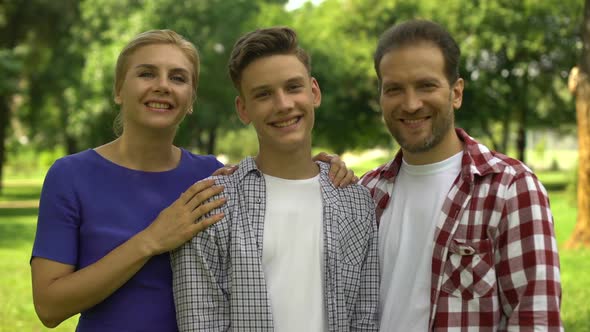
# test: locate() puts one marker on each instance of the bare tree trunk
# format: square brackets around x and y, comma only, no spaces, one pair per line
[9,32]
[580,87]
[521,142]
[506,127]
[211,141]
[4,116]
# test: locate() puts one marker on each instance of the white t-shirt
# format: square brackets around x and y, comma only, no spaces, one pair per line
[406,235]
[292,254]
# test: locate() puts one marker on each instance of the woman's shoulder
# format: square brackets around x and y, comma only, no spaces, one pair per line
[76,160]
[199,160]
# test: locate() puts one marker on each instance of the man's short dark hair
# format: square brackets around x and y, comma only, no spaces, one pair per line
[263,43]
[417,31]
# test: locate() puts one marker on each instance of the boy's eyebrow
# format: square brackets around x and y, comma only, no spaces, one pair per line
[258,88]
[298,78]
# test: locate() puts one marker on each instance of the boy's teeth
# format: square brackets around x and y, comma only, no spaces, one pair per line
[158,105]
[286,123]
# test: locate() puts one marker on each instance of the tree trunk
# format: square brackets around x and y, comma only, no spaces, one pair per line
[521,143]
[4,116]
[211,141]
[523,122]
[580,87]
[581,233]
[506,127]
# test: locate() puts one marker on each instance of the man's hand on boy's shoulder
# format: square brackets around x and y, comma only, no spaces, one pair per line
[339,174]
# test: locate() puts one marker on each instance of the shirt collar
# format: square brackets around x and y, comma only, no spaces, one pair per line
[477,160]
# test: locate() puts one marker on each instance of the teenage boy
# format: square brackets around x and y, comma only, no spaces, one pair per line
[293,252]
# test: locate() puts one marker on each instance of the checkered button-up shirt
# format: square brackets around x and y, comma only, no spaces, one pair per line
[495,265]
[218,278]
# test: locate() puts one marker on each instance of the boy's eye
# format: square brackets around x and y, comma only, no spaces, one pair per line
[261,94]
[392,89]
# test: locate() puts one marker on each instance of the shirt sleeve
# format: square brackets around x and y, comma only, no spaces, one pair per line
[528,268]
[58,222]
[365,317]
[200,279]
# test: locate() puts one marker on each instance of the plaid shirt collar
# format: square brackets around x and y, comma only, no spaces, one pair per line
[329,191]
[477,161]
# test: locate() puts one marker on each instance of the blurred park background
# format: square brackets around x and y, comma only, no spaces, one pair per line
[56,73]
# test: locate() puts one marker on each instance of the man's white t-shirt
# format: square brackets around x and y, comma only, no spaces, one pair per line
[406,235]
[292,254]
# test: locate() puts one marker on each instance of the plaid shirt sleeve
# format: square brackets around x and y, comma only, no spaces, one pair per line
[527,259]
[365,316]
[200,279]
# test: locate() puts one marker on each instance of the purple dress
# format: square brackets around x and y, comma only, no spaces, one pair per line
[89,206]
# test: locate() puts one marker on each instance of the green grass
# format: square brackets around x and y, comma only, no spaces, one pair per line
[575,267]
[17,228]
[17,191]
[17,232]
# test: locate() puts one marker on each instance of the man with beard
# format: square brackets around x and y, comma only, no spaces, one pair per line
[466,234]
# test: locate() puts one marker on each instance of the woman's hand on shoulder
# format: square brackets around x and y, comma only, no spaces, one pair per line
[177,223]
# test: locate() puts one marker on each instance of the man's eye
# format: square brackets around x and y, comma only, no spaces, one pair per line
[428,86]
[295,87]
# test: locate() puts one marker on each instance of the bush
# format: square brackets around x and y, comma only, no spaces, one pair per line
[237,144]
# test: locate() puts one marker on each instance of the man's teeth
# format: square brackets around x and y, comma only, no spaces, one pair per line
[158,105]
[286,123]
[413,121]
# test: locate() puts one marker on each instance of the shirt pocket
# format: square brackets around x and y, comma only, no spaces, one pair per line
[469,271]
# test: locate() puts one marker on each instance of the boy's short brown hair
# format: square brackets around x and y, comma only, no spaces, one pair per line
[263,43]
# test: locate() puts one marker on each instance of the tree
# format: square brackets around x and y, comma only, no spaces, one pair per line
[108,25]
[579,85]
[29,46]
[515,57]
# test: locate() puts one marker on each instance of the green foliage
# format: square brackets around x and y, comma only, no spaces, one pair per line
[27,160]
[10,66]
[237,144]
[516,55]
[338,38]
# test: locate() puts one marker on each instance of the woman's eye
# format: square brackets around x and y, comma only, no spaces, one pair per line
[146,74]
[179,78]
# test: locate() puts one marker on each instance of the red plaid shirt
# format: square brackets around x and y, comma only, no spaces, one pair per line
[495,265]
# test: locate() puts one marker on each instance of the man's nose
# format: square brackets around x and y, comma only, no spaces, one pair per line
[412,101]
